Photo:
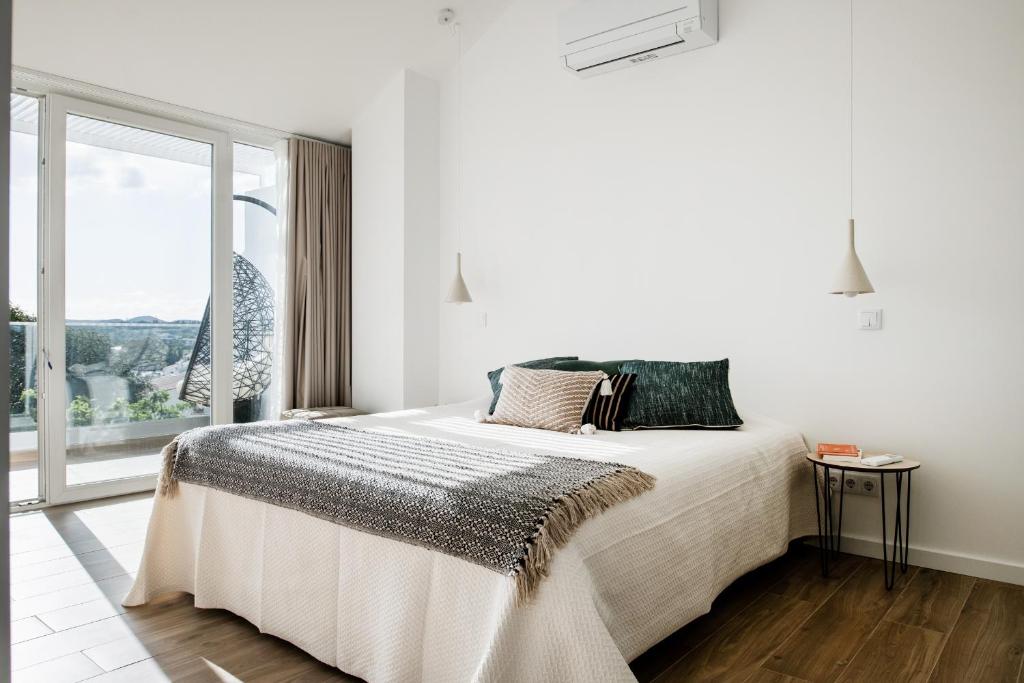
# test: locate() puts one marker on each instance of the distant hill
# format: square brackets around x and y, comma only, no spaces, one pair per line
[138,320]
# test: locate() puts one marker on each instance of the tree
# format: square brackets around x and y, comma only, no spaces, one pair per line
[28,400]
[80,412]
[17,368]
[148,352]
[155,406]
[86,346]
[18,315]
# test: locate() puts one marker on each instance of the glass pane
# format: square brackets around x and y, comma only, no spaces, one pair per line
[137,285]
[24,187]
[257,269]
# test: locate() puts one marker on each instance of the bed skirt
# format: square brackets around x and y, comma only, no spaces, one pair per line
[375,608]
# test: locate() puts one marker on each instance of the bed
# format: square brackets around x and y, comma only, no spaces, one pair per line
[725,502]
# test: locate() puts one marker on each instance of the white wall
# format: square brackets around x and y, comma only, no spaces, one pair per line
[394,243]
[695,208]
[422,226]
[378,157]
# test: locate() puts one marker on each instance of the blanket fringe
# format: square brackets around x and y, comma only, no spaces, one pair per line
[566,515]
[167,485]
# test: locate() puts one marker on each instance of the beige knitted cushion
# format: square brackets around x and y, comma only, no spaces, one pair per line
[544,399]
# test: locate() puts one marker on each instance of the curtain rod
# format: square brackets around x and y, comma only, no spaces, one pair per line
[316,139]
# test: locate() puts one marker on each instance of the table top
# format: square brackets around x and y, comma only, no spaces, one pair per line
[904,466]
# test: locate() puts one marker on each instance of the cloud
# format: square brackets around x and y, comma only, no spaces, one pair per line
[83,166]
[131,177]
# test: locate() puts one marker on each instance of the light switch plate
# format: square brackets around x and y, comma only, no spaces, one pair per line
[869,319]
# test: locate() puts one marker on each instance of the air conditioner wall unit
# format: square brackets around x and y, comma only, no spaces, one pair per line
[598,36]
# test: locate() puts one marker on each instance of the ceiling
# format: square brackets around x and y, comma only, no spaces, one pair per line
[302,66]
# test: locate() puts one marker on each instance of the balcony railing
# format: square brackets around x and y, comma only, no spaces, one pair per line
[121,398]
[118,375]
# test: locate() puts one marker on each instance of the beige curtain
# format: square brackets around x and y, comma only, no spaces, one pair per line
[318,321]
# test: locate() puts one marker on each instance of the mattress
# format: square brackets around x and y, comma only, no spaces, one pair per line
[725,503]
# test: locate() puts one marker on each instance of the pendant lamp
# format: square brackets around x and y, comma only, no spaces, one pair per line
[458,293]
[851,279]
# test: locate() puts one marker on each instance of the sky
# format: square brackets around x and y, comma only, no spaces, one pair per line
[137,232]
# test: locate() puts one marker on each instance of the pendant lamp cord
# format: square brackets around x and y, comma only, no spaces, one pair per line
[457,29]
[851,108]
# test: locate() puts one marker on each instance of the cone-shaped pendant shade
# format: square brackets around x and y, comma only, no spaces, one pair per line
[851,279]
[459,293]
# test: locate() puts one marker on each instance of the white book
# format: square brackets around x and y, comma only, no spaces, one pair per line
[880,460]
[841,459]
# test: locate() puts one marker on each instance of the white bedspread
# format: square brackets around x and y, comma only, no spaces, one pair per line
[725,503]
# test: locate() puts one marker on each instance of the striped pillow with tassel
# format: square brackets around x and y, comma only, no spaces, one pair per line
[607,407]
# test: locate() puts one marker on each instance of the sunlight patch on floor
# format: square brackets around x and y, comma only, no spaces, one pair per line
[220,672]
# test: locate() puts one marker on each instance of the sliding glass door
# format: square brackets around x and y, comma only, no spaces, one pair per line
[137,262]
[146,278]
[137,252]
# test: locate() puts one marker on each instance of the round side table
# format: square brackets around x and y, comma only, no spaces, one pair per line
[830,526]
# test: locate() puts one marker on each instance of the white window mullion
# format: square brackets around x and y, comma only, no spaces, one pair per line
[222,322]
[42,211]
[52,417]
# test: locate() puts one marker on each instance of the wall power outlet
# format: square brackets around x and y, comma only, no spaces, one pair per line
[868,485]
[855,483]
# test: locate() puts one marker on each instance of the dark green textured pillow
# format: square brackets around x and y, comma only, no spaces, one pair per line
[609,367]
[681,395]
[494,376]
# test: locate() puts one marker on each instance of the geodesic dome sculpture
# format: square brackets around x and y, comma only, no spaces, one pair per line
[253,337]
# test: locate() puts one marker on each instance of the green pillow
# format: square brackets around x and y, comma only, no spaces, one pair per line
[609,367]
[494,376]
[681,395]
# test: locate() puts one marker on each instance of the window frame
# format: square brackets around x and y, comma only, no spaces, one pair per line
[57,98]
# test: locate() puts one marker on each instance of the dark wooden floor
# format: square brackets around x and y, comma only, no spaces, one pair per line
[783,622]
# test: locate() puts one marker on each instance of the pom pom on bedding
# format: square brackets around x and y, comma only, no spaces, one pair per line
[480,415]
[588,429]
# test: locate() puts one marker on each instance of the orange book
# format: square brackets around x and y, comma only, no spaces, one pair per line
[838,449]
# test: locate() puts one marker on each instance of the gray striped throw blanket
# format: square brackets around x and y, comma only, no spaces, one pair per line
[504,510]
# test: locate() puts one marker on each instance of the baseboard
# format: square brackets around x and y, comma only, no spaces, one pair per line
[981,567]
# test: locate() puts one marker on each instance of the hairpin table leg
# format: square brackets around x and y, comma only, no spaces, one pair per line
[830,530]
[821,536]
[900,533]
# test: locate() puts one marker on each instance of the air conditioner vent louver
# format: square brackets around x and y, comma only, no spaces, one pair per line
[644,58]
